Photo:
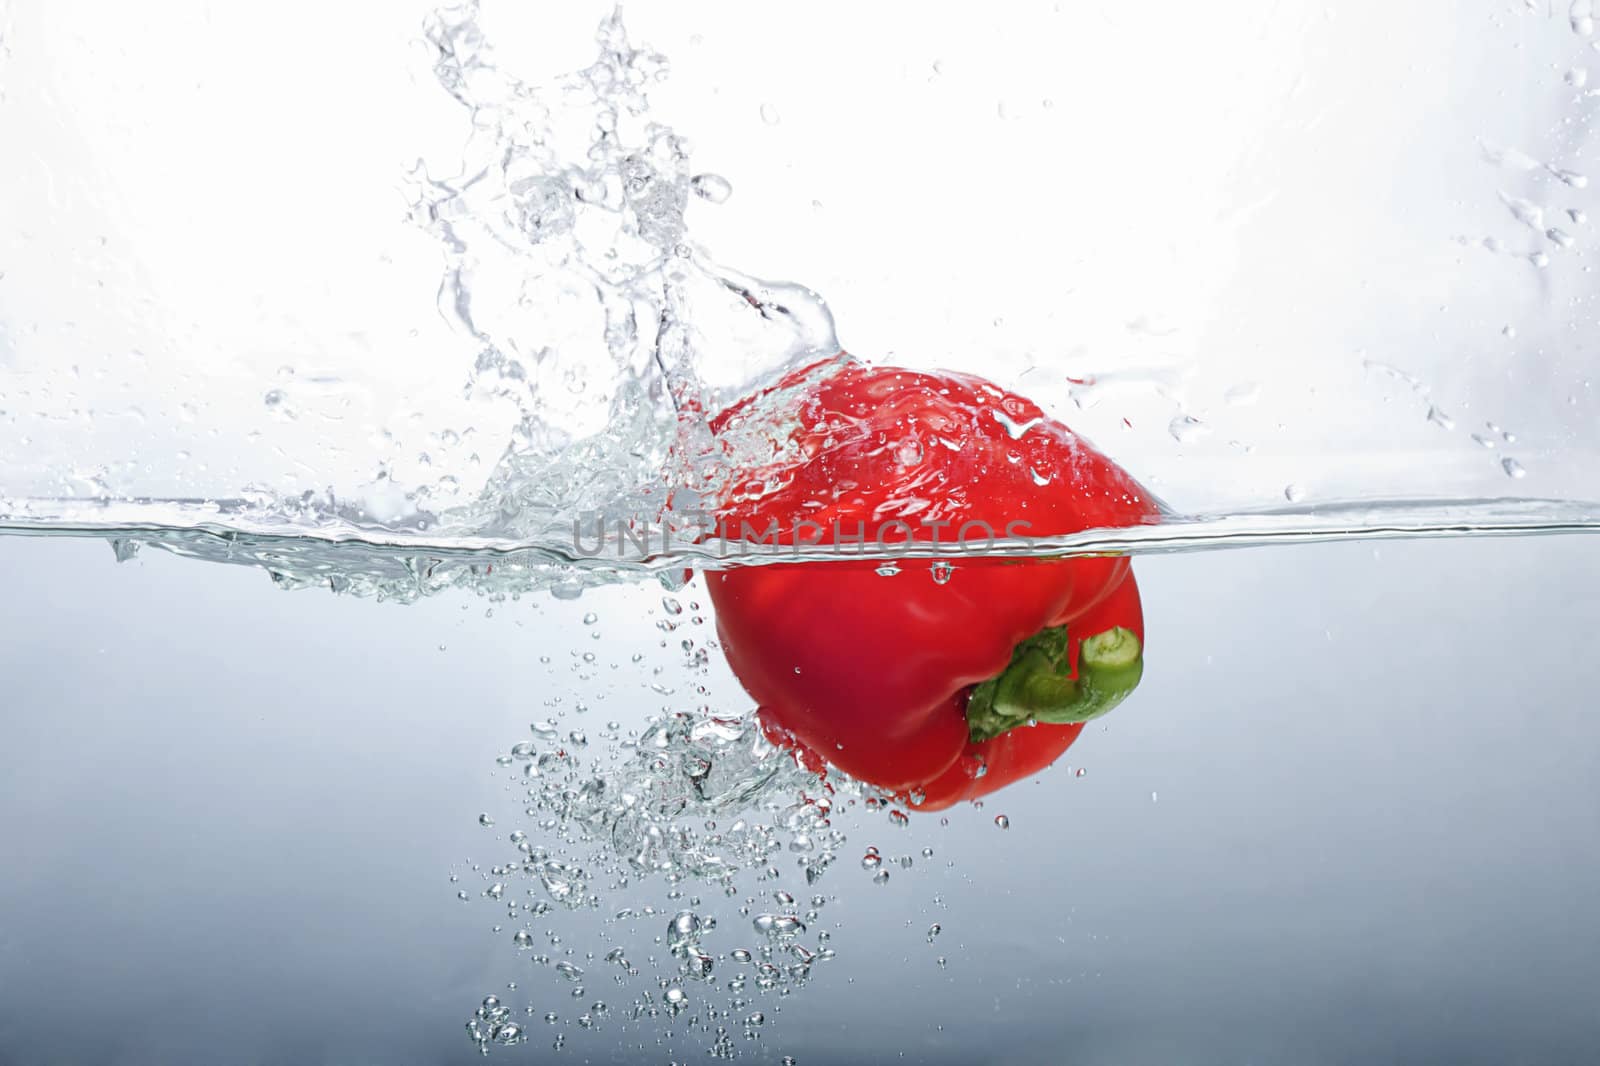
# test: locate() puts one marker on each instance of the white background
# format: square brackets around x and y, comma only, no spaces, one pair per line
[1218,212]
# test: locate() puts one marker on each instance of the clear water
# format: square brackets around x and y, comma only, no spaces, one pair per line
[1348,817]
[393,398]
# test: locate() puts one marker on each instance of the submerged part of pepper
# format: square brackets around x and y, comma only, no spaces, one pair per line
[1039,685]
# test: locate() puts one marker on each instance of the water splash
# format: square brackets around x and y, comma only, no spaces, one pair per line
[567,258]
[600,334]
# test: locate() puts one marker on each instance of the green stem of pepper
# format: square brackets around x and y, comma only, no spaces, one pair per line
[1036,686]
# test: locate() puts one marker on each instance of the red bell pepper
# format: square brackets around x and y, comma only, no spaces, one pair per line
[946,681]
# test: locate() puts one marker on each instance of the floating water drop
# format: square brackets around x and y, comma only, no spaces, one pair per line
[1580,16]
[1294,493]
[1526,212]
[1242,395]
[1187,429]
[486,820]
[1513,468]
[711,187]
[1569,177]
[1002,822]
[1509,158]
[769,115]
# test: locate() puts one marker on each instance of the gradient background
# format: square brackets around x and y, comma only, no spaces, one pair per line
[1351,816]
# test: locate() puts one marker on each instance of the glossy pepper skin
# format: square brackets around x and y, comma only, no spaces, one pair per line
[877,674]
[988,765]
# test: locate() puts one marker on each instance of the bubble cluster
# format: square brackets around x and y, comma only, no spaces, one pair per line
[690,808]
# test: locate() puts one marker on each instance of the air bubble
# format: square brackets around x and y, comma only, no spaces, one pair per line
[778,926]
